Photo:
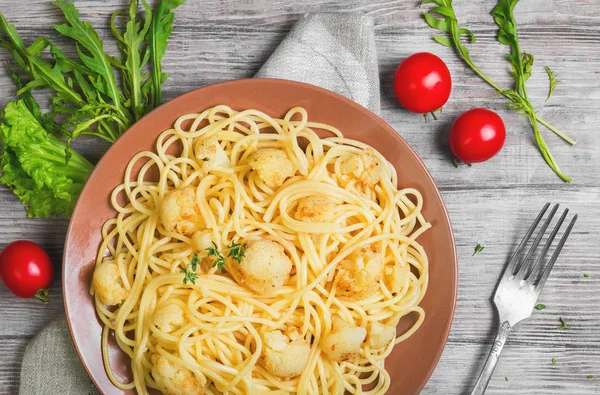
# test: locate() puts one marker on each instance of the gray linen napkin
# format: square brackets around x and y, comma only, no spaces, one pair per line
[333,51]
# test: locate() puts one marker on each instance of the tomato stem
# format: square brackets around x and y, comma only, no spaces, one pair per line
[42,295]
[433,115]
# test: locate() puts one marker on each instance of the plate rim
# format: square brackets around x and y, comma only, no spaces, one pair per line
[396,135]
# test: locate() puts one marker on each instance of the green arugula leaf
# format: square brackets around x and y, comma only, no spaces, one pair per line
[43,73]
[158,37]
[91,52]
[553,82]
[130,44]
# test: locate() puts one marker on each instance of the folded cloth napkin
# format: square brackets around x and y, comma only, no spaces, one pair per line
[333,51]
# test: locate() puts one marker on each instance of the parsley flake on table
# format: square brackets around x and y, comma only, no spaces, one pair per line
[540,306]
[563,324]
[589,377]
[478,249]
[586,275]
[553,361]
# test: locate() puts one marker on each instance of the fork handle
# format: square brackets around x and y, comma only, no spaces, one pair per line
[492,360]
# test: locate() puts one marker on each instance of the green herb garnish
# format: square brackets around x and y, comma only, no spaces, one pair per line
[553,361]
[478,249]
[190,270]
[521,63]
[553,82]
[540,306]
[214,251]
[506,379]
[586,275]
[236,251]
[563,324]
[589,377]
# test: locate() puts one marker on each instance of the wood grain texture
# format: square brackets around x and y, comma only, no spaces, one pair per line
[491,203]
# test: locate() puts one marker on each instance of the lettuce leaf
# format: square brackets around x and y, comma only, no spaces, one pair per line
[33,164]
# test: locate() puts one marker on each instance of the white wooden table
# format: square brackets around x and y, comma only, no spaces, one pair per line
[490,203]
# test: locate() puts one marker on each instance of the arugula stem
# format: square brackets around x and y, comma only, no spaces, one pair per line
[544,148]
[556,131]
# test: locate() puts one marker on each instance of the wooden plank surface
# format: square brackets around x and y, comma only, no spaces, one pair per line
[490,203]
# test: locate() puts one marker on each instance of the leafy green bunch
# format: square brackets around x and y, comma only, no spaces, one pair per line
[443,17]
[84,91]
[44,172]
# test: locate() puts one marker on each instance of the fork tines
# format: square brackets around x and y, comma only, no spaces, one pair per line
[523,266]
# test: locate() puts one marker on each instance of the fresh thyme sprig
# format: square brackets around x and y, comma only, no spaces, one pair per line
[190,270]
[235,251]
[521,62]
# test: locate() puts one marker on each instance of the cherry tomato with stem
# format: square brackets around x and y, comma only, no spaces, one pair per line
[477,135]
[422,83]
[26,269]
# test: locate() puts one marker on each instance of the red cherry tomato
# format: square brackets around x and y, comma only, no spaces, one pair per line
[477,135]
[422,83]
[26,269]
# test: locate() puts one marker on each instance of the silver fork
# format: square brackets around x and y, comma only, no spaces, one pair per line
[518,289]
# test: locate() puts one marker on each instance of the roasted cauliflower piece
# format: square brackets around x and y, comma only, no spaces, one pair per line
[315,208]
[343,343]
[212,154]
[180,213]
[272,165]
[363,167]
[168,317]
[285,356]
[108,285]
[359,276]
[380,335]
[201,240]
[264,267]
[395,276]
[174,380]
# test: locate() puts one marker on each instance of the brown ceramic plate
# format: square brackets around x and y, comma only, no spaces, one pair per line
[411,362]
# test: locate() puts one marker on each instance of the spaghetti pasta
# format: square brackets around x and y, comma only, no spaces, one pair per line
[263,258]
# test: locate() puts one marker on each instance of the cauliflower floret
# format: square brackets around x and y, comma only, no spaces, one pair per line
[168,317]
[395,276]
[380,335]
[285,356]
[174,380]
[201,240]
[212,154]
[265,267]
[359,275]
[315,208]
[108,285]
[364,167]
[180,213]
[344,342]
[272,165]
